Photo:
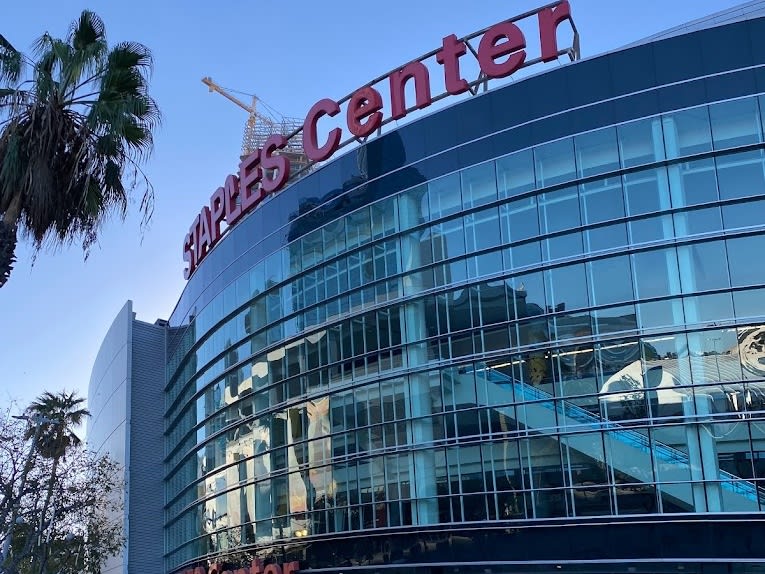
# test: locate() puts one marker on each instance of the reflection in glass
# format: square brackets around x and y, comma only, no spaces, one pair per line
[554,162]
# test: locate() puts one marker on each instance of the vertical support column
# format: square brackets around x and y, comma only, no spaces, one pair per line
[708,448]
[422,475]
[675,197]
[695,462]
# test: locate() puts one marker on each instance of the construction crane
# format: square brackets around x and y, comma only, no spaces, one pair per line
[260,127]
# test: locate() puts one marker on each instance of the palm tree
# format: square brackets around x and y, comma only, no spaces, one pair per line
[57,414]
[74,126]
[54,416]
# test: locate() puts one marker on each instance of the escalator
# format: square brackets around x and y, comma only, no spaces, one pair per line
[628,451]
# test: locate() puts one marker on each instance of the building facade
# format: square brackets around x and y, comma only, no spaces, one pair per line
[523,333]
[126,402]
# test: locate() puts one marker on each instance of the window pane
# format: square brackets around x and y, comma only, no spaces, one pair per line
[741,174]
[656,273]
[597,152]
[448,240]
[735,123]
[646,191]
[601,200]
[703,266]
[482,229]
[750,303]
[641,142]
[708,308]
[697,221]
[519,220]
[651,229]
[554,163]
[527,291]
[745,214]
[606,237]
[559,210]
[687,132]
[479,185]
[444,196]
[657,314]
[610,280]
[562,246]
[515,173]
[567,287]
[692,183]
[522,255]
[413,207]
[745,260]
[615,319]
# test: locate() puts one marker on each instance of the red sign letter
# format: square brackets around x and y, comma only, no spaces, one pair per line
[398,79]
[250,175]
[312,150]
[270,162]
[188,256]
[291,567]
[204,242]
[489,50]
[364,103]
[549,18]
[449,57]
[217,211]
[231,192]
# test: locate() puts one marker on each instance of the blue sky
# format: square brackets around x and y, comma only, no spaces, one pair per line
[54,314]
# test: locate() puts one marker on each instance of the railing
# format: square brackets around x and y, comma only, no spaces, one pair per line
[663,452]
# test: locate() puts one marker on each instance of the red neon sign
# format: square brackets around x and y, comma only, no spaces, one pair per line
[255,568]
[500,53]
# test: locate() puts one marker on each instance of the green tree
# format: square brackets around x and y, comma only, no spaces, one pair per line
[82,525]
[59,414]
[75,124]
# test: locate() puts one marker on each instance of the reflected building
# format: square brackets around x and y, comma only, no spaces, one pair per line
[534,339]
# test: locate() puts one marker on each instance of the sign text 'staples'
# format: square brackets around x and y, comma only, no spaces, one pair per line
[501,52]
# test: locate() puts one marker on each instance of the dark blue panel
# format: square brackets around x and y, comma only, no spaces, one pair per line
[677,59]
[632,70]
[550,94]
[440,164]
[413,138]
[756,33]
[759,79]
[441,132]
[682,95]
[475,152]
[726,46]
[476,119]
[551,128]
[592,117]
[588,81]
[731,85]
[511,140]
[637,106]
[511,105]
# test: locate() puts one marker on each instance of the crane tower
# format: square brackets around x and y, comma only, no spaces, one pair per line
[260,126]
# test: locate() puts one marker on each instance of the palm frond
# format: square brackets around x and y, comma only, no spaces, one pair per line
[71,144]
[11,61]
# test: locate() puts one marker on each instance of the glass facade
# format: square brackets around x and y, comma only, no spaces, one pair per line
[500,334]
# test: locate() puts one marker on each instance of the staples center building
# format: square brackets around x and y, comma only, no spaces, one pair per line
[522,333]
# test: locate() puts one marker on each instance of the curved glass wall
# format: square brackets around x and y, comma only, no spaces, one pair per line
[570,330]
[573,329]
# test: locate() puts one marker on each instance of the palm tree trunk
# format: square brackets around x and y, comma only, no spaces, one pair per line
[11,215]
[51,486]
[8,226]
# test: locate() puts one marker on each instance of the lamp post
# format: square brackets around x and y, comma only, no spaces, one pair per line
[39,421]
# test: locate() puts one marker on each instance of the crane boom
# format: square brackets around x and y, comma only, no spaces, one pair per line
[213,87]
[260,127]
